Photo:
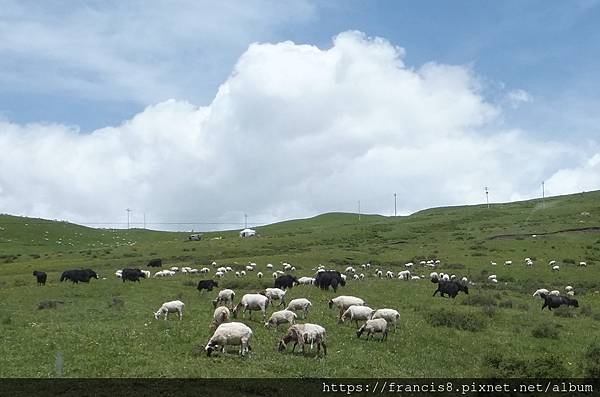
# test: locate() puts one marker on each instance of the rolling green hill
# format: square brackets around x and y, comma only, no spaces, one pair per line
[106,328]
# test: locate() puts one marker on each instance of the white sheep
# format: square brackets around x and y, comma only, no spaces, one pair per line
[492,263]
[568,288]
[554,292]
[302,334]
[228,269]
[540,291]
[552,263]
[170,307]
[583,264]
[252,302]
[571,293]
[275,294]
[225,296]
[306,280]
[343,276]
[350,269]
[374,326]
[204,270]
[237,274]
[259,274]
[222,269]
[415,278]
[269,266]
[343,302]
[464,280]
[249,268]
[219,274]
[230,334]
[174,269]
[221,315]
[355,277]
[409,265]
[299,304]
[357,313]
[404,275]
[555,268]
[243,273]
[507,263]
[379,273]
[280,317]
[362,276]
[119,273]
[146,273]
[390,315]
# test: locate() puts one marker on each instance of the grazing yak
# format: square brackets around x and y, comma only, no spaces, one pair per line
[452,288]
[78,275]
[285,281]
[132,275]
[41,277]
[155,263]
[553,301]
[207,285]
[329,278]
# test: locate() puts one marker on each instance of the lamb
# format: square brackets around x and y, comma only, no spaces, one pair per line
[356,313]
[252,302]
[230,334]
[390,315]
[304,333]
[225,296]
[343,302]
[275,294]
[280,317]
[299,304]
[372,327]
[170,307]
[539,292]
[221,315]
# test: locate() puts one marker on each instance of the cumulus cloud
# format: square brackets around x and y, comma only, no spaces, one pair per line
[295,130]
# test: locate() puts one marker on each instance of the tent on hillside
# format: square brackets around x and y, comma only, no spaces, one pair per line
[248,233]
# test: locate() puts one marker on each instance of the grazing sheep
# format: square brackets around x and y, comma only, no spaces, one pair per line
[269,266]
[249,268]
[243,273]
[343,302]
[304,333]
[225,296]
[204,270]
[146,273]
[252,302]
[556,268]
[493,263]
[568,288]
[170,307]
[221,315]
[219,274]
[491,277]
[379,273]
[539,292]
[390,315]
[357,313]
[274,294]
[554,292]
[552,263]
[415,278]
[299,304]
[355,277]
[464,280]
[349,269]
[404,275]
[508,263]
[259,275]
[362,276]
[230,334]
[372,327]
[583,264]
[280,317]
[571,293]
[306,280]
[237,274]
[552,302]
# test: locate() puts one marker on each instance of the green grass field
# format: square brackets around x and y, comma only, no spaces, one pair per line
[106,328]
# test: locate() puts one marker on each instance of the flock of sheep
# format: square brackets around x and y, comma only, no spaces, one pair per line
[351,309]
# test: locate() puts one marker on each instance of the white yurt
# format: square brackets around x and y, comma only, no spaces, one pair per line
[248,233]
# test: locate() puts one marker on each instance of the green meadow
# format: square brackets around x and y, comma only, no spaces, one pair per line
[106,328]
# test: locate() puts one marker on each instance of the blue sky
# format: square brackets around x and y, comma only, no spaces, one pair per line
[546,48]
[284,109]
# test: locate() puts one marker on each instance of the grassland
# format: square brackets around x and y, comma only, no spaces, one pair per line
[106,328]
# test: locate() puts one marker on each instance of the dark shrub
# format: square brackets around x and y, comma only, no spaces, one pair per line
[458,320]
[545,330]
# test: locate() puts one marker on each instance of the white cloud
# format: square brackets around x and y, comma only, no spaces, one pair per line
[517,97]
[296,130]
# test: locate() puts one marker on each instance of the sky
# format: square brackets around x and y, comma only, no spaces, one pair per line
[194,113]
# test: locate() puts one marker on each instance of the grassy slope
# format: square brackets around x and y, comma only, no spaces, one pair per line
[96,339]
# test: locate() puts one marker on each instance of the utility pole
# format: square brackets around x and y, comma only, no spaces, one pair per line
[487,200]
[543,196]
[128,211]
[245,221]
[394,204]
[359,210]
